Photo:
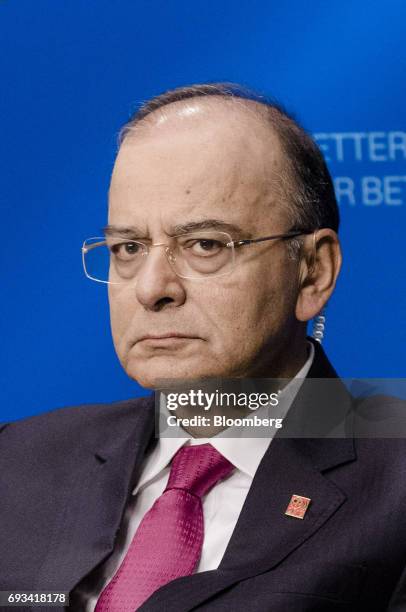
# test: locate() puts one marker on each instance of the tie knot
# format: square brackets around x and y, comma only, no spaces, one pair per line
[197,469]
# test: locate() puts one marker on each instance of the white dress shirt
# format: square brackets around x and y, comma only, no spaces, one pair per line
[222,504]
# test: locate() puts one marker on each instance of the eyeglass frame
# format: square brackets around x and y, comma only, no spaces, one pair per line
[232,244]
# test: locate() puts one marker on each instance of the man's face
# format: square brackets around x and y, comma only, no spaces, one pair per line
[190,169]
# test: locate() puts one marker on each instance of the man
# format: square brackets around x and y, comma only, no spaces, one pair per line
[221,244]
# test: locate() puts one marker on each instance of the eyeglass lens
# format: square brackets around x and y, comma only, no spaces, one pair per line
[192,255]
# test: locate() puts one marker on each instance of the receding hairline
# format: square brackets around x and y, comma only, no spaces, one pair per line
[174,111]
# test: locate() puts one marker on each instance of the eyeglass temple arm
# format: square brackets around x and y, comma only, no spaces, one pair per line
[291,234]
[89,247]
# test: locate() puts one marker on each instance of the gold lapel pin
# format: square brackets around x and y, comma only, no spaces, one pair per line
[297,506]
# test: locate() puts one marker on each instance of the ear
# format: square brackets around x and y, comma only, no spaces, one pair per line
[318,270]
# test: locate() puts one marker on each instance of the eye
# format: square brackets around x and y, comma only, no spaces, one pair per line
[204,247]
[126,251]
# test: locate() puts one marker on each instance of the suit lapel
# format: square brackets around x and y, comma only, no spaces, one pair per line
[94,500]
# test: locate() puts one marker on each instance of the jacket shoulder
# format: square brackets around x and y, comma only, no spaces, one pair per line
[71,426]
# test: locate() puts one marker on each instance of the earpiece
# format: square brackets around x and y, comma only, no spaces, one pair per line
[319,325]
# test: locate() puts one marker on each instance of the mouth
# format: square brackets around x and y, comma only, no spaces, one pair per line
[167,339]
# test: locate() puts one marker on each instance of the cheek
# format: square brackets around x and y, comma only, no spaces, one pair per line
[121,314]
[253,310]
[239,315]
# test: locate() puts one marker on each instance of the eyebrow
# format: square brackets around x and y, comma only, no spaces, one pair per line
[113,230]
[183,228]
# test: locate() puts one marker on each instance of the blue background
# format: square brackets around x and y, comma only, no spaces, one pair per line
[71,74]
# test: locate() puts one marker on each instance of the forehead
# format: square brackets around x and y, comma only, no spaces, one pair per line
[198,160]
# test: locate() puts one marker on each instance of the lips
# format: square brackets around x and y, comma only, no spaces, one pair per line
[165,336]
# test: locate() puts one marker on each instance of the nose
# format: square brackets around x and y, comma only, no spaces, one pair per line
[157,285]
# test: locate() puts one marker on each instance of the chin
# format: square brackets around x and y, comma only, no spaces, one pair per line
[152,374]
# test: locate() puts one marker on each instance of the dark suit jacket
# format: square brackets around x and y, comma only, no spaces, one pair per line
[66,476]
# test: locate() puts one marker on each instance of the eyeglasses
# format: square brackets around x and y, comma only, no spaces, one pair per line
[194,255]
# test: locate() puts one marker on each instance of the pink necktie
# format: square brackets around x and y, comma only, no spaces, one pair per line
[168,541]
